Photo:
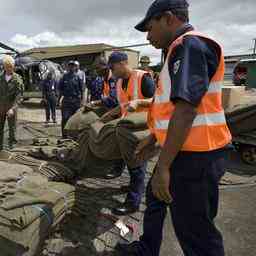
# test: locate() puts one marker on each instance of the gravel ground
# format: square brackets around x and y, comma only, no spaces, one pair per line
[93,234]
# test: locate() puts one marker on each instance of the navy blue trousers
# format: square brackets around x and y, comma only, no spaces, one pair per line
[195,192]
[137,185]
[50,108]
[68,109]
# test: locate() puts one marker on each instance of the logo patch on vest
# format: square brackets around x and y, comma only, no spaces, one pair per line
[176,67]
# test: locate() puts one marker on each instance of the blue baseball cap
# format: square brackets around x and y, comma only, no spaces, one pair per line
[71,62]
[117,57]
[102,63]
[158,7]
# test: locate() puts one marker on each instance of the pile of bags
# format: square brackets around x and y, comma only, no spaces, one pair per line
[109,141]
[30,208]
[53,171]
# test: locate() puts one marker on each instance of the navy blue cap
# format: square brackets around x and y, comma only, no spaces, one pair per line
[102,63]
[158,7]
[71,62]
[117,57]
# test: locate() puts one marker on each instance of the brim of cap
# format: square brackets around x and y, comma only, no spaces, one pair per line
[102,65]
[141,26]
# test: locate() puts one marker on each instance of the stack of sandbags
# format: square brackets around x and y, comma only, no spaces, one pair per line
[119,139]
[101,144]
[11,174]
[53,171]
[231,96]
[237,97]
[30,211]
[52,151]
[79,121]
[242,120]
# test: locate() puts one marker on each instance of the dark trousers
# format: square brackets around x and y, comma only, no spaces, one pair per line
[194,188]
[137,185]
[50,108]
[2,123]
[12,123]
[68,109]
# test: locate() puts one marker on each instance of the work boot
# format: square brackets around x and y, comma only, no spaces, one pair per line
[125,209]
[125,249]
[115,170]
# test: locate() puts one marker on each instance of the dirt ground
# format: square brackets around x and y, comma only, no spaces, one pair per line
[94,235]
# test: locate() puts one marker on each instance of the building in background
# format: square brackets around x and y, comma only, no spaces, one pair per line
[230,63]
[86,54]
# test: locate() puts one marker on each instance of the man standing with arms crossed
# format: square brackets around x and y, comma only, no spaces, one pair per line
[187,119]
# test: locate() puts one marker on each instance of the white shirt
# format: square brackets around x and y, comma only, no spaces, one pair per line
[8,78]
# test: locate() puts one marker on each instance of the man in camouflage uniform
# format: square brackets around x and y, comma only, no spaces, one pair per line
[11,87]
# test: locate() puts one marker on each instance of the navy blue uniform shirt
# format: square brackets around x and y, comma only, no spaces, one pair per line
[111,101]
[71,86]
[49,87]
[192,66]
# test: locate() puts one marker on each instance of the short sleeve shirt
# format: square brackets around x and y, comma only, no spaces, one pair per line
[191,67]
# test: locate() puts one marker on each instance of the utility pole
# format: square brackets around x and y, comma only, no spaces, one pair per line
[254,47]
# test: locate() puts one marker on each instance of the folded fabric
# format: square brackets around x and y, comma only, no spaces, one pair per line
[30,212]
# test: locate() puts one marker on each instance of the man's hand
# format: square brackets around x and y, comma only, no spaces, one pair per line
[60,101]
[10,113]
[132,106]
[95,103]
[144,143]
[111,115]
[178,130]
[161,184]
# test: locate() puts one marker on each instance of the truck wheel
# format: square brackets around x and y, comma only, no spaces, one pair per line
[248,154]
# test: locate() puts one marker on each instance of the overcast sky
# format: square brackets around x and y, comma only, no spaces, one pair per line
[34,23]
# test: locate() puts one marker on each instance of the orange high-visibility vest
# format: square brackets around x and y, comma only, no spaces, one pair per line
[209,130]
[133,91]
[106,88]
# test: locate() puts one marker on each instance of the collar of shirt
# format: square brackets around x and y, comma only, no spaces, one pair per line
[8,77]
[185,28]
[182,30]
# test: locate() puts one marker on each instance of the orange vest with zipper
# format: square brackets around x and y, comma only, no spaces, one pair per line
[209,130]
[133,91]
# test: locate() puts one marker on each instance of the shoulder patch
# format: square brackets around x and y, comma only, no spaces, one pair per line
[176,67]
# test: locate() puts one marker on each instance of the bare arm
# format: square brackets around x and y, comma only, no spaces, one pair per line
[178,130]
[135,104]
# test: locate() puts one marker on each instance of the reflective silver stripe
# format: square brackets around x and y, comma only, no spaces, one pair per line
[215,87]
[210,119]
[135,86]
[162,125]
[206,119]
[166,83]
[118,85]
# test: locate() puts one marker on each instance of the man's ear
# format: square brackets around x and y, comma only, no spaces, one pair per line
[169,19]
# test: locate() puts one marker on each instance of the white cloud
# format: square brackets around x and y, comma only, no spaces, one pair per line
[112,22]
[42,39]
[104,32]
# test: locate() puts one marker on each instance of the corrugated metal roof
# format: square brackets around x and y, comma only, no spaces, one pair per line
[70,50]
